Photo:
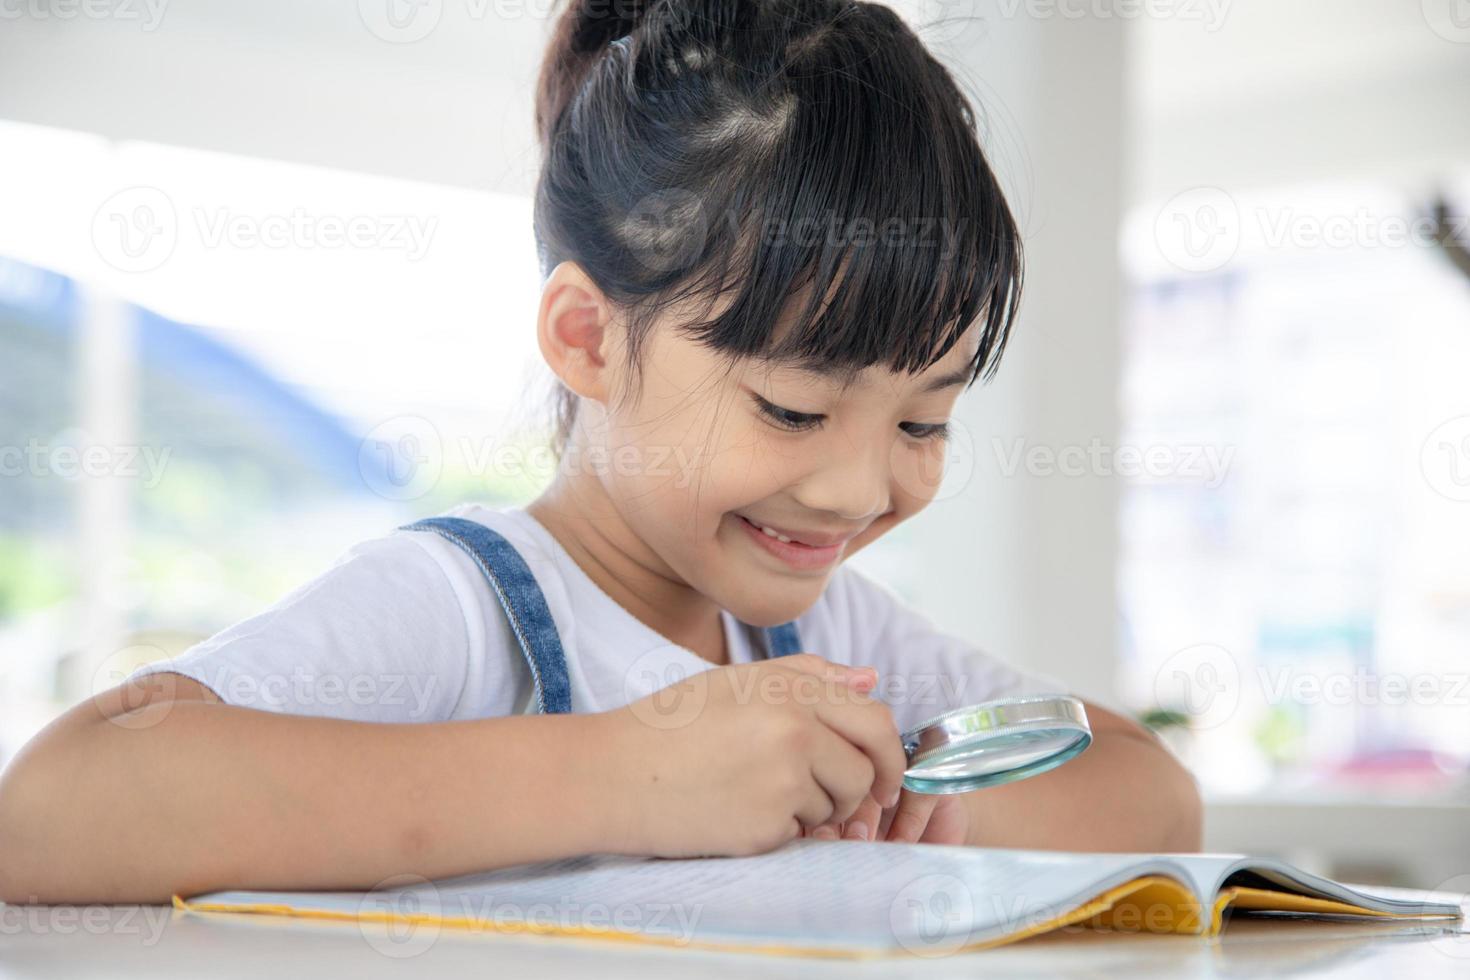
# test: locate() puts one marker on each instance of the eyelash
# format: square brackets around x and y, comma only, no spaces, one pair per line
[802,421]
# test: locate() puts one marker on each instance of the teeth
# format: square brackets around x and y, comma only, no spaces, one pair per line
[773,534]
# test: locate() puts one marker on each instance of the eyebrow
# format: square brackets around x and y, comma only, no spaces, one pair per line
[959,376]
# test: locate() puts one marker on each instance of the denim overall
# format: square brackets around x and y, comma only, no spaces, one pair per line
[530,619]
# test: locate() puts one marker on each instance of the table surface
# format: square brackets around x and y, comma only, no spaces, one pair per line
[158,941]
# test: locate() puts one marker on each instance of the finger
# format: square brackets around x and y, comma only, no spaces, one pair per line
[868,724]
[844,772]
[884,823]
[912,817]
[810,663]
[949,822]
[831,830]
[812,807]
[864,821]
[859,826]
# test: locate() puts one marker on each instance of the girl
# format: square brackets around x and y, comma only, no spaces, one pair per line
[773,256]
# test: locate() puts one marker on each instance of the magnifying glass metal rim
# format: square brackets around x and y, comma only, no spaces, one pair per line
[952,732]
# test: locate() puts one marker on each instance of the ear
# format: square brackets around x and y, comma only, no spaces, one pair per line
[573,329]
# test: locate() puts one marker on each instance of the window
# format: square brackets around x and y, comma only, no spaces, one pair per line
[1294,575]
[217,374]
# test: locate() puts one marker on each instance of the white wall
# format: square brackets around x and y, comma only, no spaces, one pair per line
[1024,563]
[292,80]
[1282,93]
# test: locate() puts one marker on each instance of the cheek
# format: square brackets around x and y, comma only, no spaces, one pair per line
[917,473]
[748,466]
[677,464]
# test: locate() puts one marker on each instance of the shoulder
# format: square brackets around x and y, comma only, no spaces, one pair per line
[542,556]
[531,542]
[402,611]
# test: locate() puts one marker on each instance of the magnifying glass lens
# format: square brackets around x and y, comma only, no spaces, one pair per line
[994,742]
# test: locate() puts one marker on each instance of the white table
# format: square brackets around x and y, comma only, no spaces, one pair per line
[156,941]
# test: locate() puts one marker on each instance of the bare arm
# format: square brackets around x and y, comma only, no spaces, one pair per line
[157,788]
[1125,793]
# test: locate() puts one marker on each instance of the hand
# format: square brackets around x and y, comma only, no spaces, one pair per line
[739,759]
[919,817]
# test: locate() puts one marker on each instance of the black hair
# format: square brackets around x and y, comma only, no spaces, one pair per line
[683,140]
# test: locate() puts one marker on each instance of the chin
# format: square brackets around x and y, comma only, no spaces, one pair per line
[775,609]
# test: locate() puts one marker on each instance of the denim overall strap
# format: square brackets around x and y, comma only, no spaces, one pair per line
[782,640]
[522,600]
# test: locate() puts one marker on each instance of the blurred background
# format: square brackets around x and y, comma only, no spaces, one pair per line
[268,287]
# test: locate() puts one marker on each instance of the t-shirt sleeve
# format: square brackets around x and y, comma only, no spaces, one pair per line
[382,635]
[923,671]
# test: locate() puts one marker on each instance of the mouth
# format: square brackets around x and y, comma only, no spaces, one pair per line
[799,550]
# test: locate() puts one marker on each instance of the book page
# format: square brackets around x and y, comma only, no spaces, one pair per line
[818,897]
[1211,872]
[1290,879]
[809,894]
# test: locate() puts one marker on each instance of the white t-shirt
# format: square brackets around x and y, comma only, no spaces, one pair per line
[405,628]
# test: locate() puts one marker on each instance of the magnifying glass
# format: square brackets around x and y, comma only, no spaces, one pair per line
[994,742]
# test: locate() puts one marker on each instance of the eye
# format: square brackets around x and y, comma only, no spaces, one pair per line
[787,419]
[926,430]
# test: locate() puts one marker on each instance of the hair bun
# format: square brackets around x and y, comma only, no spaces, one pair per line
[582,33]
[603,22]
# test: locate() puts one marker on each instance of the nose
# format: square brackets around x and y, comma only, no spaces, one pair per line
[853,482]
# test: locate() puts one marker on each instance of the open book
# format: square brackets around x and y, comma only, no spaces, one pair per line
[841,898]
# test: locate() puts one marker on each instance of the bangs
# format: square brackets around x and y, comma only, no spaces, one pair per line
[872,232]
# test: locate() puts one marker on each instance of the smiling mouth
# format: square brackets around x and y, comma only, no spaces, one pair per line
[813,540]
[791,550]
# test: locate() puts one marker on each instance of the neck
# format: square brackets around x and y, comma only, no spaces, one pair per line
[579,514]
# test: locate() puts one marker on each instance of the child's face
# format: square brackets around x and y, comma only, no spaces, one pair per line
[707,451]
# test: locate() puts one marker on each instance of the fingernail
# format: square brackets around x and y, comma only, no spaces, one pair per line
[857,830]
[893,798]
[825,833]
